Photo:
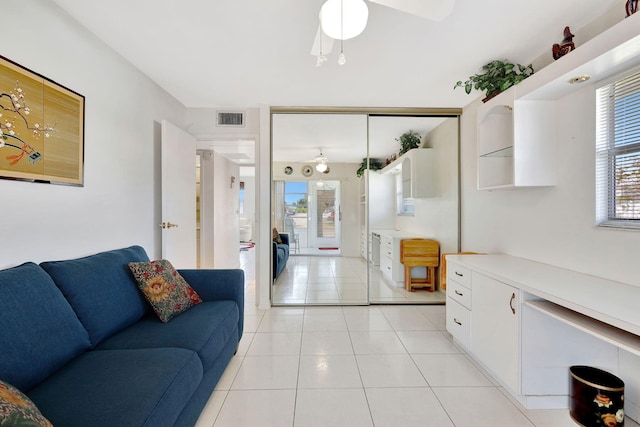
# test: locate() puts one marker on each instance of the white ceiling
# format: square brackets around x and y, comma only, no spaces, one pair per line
[244,53]
[342,137]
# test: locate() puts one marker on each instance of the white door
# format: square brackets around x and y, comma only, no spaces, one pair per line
[495,328]
[178,153]
[324,214]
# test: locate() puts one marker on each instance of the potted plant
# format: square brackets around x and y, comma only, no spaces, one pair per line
[408,141]
[373,165]
[496,76]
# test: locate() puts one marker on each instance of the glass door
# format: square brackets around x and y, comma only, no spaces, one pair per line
[325,216]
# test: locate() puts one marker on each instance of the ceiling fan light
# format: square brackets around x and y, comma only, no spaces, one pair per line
[344,19]
[321,167]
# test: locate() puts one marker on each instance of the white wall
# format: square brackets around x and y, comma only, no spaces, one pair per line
[119,204]
[225,214]
[437,217]
[220,229]
[249,210]
[554,225]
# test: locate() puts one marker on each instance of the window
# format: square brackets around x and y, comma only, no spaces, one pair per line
[618,153]
[404,206]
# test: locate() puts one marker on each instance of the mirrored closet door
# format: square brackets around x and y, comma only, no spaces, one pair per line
[338,205]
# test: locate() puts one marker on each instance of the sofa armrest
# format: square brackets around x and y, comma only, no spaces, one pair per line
[217,285]
[285,238]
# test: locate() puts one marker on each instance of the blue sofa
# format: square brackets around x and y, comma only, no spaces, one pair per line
[280,255]
[80,340]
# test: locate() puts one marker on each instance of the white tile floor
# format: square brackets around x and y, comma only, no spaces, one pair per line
[359,366]
[340,280]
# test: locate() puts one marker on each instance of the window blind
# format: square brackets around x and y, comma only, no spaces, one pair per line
[618,153]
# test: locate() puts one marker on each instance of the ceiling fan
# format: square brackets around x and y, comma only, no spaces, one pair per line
[321,162]
[345,19]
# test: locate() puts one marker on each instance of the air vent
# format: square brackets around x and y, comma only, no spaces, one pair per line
[230,118]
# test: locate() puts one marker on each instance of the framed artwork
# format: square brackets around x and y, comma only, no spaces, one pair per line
[41,128]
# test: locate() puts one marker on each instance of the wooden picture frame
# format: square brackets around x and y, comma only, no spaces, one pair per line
[41,128]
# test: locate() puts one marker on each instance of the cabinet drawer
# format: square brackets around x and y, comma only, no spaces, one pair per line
[459,293]
[386,263]
[458,273]
[458,322]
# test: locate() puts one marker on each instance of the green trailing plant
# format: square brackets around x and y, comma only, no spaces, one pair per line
[373,165]
[408,141]
[496,76]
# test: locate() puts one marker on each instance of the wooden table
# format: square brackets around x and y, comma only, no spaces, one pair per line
[419,253]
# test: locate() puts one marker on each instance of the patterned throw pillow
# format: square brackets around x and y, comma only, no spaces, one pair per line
[165,289]
[16,409]
[276,236]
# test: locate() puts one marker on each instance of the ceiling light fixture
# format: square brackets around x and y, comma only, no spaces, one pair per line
[344,19]
[321,166]
[579,79]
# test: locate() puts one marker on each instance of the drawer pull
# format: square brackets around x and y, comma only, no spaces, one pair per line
[459,274]
[513,296]
[459,293]
[456,320]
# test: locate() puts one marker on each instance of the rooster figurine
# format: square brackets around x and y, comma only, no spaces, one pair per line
[565,47]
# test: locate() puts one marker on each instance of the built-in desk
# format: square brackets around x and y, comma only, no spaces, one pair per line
[527,322]
[390,265]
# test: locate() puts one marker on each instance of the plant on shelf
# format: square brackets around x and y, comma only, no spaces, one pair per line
[408,141]
[373,165]
[496,76]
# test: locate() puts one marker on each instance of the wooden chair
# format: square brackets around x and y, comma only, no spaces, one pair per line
[419,253]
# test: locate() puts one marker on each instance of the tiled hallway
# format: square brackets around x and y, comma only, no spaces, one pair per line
[359,366]
[340,280]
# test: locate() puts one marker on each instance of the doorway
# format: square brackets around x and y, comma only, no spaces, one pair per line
[324,218]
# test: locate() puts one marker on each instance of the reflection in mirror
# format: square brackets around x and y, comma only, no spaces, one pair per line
[341,220]
[415,196]
[315,205]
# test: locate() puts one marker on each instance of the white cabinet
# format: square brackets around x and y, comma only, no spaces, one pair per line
[458,314]
[527,323]
[483,315]
[386,257]
[517,129]
[417,171]
[376,211]
[495,329]
[516,142]
[390,265]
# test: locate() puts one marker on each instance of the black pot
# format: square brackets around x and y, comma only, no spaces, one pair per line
[597,397]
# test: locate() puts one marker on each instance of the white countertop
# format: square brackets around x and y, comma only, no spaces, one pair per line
[396,233]
[615,303]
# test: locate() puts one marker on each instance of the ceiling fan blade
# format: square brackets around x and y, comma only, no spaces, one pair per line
[433,10]
[327,43]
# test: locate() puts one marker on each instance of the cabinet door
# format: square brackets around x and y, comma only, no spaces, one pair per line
[495,328]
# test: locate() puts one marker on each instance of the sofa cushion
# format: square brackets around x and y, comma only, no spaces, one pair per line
[205,329]
[146,387]
[16,409]
[39,331]
[165,289]
[101,290]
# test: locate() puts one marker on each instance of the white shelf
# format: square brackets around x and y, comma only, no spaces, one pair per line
[524,117]
[420,180]
[501,152]
[609,53]
[618,337]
